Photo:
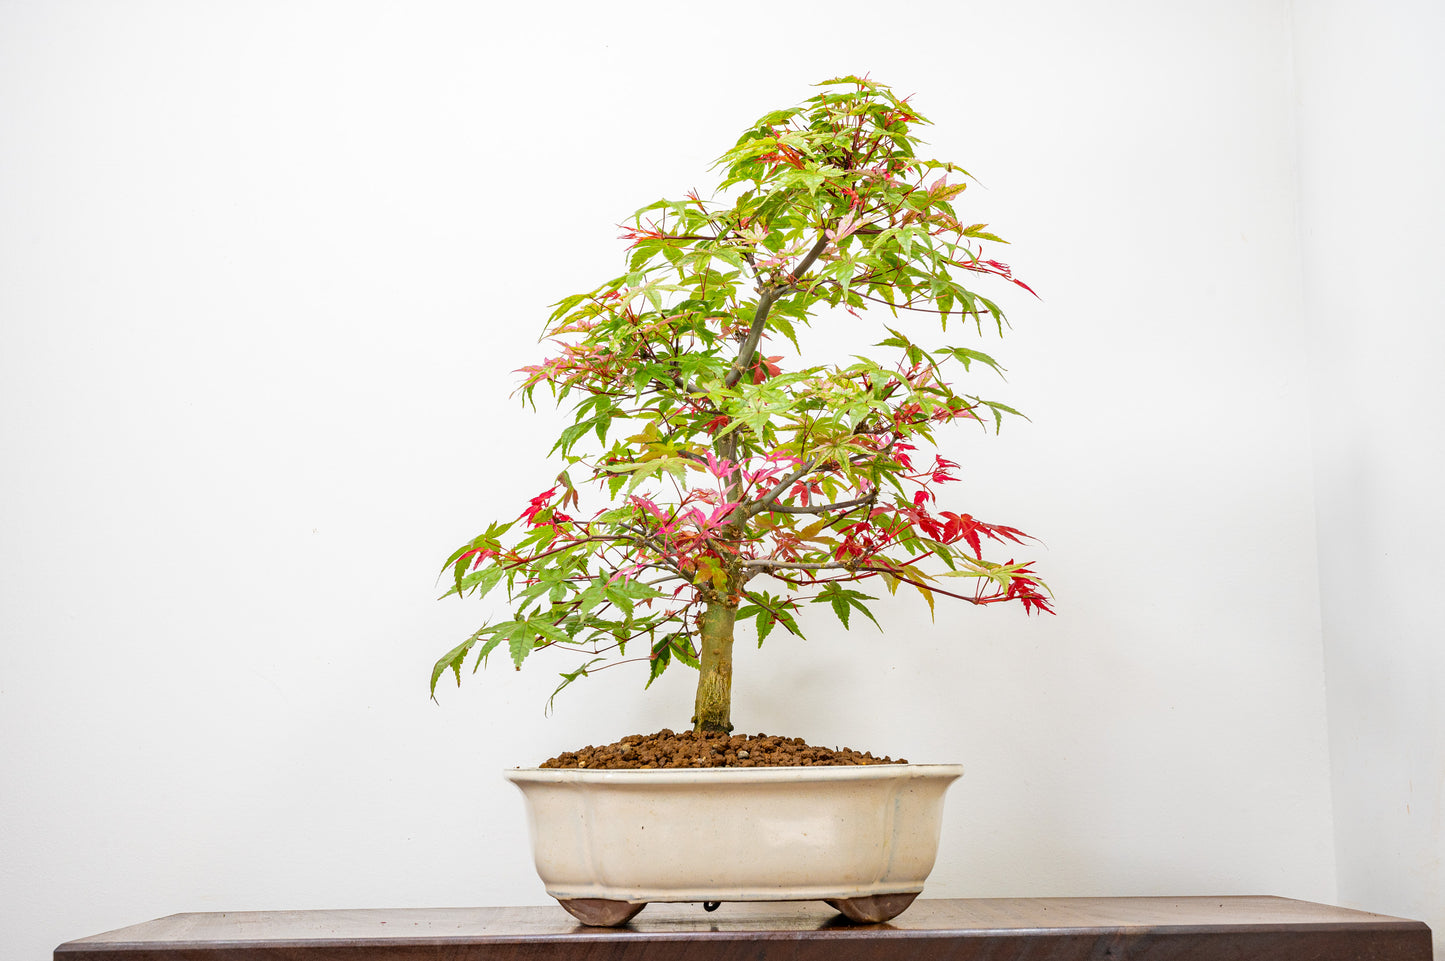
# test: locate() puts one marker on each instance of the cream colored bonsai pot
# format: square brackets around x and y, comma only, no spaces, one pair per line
[863,838]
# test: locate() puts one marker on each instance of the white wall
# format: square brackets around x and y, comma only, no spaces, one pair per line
[264,271]
[1372,148]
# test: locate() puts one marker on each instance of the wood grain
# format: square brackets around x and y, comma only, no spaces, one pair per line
[991,929]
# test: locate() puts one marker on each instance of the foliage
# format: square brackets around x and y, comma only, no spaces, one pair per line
[732,487]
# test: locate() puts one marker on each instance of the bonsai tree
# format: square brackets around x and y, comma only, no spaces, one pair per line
[736,480]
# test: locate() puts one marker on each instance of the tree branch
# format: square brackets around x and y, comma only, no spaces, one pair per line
[755,334]
[807,261]
[922,310]
[767,499]
[765,566]
[766,298]
[824,508]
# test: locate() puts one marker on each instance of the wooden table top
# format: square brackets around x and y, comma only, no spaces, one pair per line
[996,929]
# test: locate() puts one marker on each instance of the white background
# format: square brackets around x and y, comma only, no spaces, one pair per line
[265,271]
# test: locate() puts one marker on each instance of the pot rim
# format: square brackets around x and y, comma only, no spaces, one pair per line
[673,775]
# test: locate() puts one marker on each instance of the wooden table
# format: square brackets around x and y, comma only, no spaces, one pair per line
[993,929]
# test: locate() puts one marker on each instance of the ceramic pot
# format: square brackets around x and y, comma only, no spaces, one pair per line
[863,838]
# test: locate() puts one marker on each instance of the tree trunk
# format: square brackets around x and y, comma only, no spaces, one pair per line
[715,679]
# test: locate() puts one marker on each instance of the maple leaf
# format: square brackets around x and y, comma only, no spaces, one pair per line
[537,504]
[766,367]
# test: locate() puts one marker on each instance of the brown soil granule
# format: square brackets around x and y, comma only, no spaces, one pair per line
[692,750]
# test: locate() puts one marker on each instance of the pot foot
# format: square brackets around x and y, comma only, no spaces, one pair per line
[875,909]
[602,912]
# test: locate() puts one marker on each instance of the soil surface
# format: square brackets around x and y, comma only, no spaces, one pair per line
[691,750]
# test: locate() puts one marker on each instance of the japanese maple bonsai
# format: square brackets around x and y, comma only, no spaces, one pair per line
[736,479]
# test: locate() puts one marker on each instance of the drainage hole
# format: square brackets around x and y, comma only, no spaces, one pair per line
[711,905]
